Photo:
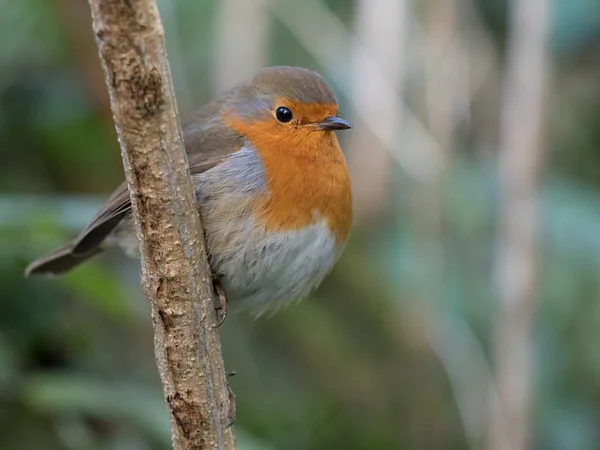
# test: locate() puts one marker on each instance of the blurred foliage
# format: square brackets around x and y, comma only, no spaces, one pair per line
[354,367]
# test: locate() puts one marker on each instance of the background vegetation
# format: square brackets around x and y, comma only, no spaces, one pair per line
[396,349]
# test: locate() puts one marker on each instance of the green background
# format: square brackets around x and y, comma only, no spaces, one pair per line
[361,364]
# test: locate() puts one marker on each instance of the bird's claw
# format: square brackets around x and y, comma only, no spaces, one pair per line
[222,315]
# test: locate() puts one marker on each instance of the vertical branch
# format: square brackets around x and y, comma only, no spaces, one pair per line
[452,340]
[175,273]
[240,53]
[445,79]
[381,31]
[521,155]
[442,44]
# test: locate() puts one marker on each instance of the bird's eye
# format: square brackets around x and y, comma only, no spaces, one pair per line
[283,114]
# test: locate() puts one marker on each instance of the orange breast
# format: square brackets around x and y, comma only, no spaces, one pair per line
[306,175]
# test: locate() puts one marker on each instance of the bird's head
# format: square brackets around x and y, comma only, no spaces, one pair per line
[288,109]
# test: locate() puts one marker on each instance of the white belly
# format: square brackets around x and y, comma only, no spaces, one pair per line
[267,272]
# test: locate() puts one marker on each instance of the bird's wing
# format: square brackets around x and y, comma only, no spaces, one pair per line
[208,142]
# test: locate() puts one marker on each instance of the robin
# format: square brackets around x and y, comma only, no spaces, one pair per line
[272,187]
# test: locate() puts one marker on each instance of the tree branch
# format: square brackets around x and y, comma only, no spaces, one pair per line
[175,274]
[522,151]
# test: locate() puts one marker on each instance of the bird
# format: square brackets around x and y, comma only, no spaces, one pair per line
[272,188]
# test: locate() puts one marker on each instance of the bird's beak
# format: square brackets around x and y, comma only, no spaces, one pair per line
[333,123]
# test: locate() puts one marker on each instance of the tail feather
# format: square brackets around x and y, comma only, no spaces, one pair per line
[59,261]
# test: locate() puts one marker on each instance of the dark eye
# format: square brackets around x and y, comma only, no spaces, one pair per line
[283,114]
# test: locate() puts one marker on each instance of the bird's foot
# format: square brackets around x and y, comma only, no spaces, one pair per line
[222,309]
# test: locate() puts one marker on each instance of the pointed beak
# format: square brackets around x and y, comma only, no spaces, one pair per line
[333,123]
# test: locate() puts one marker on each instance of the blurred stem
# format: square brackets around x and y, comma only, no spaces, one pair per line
[520,160]
[176,277]
[381,31]
[445,87]
[240,54]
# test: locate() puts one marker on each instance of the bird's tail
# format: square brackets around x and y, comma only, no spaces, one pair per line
[59,261]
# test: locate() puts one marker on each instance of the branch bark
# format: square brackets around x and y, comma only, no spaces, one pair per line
[175,273]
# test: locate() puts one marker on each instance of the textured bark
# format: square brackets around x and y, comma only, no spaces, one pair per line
[175,274]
